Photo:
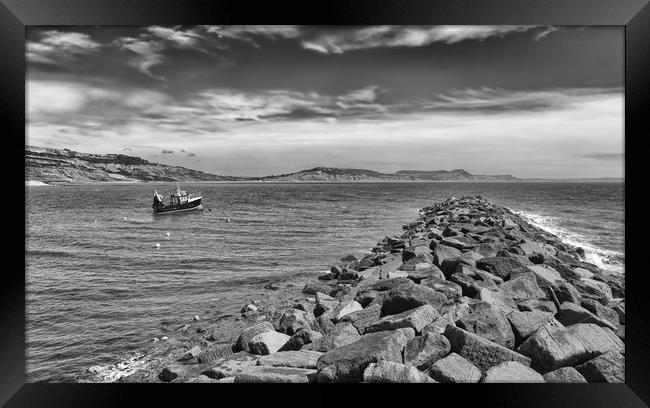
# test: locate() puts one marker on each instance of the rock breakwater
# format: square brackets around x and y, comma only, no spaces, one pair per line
[468,292]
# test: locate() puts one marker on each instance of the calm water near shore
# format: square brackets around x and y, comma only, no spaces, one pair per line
[98,288]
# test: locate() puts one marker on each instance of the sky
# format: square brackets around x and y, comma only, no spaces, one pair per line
[531,101]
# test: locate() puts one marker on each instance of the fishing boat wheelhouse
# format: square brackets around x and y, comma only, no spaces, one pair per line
[178,201]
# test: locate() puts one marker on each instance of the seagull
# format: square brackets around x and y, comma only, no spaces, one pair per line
[167,233]
[157,245]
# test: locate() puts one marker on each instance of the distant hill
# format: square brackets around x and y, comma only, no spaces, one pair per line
[54,166]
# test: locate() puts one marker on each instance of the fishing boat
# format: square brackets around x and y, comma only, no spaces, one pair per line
[178,201]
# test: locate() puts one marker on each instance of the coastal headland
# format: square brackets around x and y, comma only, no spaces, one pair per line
[469,292]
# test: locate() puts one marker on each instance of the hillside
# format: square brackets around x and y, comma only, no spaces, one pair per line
[54,166]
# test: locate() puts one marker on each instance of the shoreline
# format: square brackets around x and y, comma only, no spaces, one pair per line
[462,262]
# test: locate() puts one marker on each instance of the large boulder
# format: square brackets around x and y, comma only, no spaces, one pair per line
[293,320]
[393,372]
[442,252]
[298,359]
[341,334]
[564,375]
[314,287]
[566,292]
[522,287]
[410,296]
[363,318]
[267,342]
[604,312]
[597,289]
[526,323]
[388,284]
[248,333]
[497,298]
[269,374]
[479,351]
[499,265]
[455,369]
[544,274]
[489,322]
[423,351]
[450,289]
[606,368]
[347,363]
[542,305]
[595,339]
[345,308]
[450,265]
[230,366]
[570,313]
[301,338]
[552,347]
[415,318]
[458,242]
[419,275]
[512,372]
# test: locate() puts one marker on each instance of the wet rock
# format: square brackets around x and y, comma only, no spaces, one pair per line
[347,363]
[230,366]
[570,313]
[423,351]
[552,347]
[174,372]
[564,375]
[267,342]
[512,372]
[301,338]
[247,334]
[410,296]
[393,372]
[499,266]
[454,369]
[595,339]
[190,354]
[415,318]
[526,323]
[297,359]
[489,322]
[267,374]
[606,368]
[479,351]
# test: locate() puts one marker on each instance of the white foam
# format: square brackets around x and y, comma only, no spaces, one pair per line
[113,372]
[603,258]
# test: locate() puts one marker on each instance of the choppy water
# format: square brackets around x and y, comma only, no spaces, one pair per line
[98,288]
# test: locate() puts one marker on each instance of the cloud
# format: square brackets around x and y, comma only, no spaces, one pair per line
[605,156]
[248,33]
[343,40]
[55,47]
[180,38]
[167,152]
[148,54]
[500,100]
[127,149]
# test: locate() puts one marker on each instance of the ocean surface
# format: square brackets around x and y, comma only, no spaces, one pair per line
[98,287]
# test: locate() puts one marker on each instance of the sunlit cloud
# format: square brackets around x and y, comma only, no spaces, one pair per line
[344,40]
[54,47]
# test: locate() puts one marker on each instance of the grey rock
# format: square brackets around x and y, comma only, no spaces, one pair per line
[410,296]
[596,339]
[298,359]
[526,323]
[268,374]
[570,313]
[393,372]
[301,338]
[247,334]
[512,372]
[423,351]
[522,287]
[606,368]
[455,369]
[415,318]
[564,375]
[489,322]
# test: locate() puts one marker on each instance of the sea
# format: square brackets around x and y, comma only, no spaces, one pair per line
[103,272]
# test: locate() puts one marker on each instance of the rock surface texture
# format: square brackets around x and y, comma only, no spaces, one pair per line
[469,292]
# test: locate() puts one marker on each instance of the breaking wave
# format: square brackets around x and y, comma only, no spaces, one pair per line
[603,258]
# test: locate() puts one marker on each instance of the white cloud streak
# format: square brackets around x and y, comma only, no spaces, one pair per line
[55,47]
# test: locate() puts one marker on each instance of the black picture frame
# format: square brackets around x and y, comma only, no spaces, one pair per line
[634,15]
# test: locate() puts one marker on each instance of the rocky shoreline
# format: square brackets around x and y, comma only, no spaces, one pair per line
[469,292]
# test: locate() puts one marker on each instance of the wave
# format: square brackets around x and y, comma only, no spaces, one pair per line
[113,372]
[603,258]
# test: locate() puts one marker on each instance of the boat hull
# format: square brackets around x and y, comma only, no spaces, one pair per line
[190,206]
